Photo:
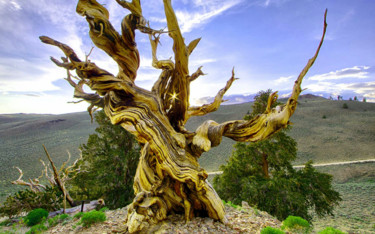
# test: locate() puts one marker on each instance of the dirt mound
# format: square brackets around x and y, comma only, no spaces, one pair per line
[243,219]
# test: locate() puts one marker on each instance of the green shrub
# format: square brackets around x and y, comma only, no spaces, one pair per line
[295,223]
[36,229]
[92,217]
[26,200]
[345,106]
[229,203]
[6,222]
[78,215]
[57,219]
[331,230]
[115,164]
[271,230]
[35,216]
[262,174]
[53,221]
[104,209]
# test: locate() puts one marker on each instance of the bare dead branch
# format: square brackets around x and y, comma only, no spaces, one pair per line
[207,108]
[34,185]
[69,52]
[292,102]
[134,7]
[196,74]
[192,45]
[59,182]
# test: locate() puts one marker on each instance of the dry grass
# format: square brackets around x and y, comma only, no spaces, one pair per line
[357,210]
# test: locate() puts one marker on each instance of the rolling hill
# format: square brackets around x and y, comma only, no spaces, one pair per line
[324,130]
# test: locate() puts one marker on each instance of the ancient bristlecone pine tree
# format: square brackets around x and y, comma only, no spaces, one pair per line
[168,176]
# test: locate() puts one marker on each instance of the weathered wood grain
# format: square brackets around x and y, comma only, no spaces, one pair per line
[168,177]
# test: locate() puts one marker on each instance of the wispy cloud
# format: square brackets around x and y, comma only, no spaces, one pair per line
[206,10]
[283,79]
[361,89]
[31,78]
[353,72]
[267,3]
[367,89]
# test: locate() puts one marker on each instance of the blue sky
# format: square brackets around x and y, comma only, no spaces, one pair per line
[267,41]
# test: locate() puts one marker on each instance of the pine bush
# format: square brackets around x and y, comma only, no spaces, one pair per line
[35,216]
[271,230]
[92,217]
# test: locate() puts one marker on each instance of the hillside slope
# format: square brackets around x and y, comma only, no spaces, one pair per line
[22,136]
[324,130]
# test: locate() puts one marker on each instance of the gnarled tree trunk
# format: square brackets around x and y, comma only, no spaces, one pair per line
[168,176]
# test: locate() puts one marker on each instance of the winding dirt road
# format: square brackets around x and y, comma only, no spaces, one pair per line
[317,165]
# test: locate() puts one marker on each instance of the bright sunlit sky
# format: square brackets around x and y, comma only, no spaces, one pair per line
[267,41]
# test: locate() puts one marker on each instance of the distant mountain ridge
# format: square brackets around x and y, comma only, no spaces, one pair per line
[233,99]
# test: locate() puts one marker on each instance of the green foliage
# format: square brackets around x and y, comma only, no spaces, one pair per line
[331,230]
[262,174]
[92,217]
[36,229]
[316,188]
[78,215]
[104,209]
[26,200]
[108,165]
[229,203]
[345,106]
[35,216]
[271,230]
[295,223]
[324,117]
[58,219]
[260,104]
[6,222]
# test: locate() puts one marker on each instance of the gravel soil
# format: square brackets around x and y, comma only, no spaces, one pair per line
[243,219]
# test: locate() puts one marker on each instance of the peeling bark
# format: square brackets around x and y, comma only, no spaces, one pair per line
[168,177]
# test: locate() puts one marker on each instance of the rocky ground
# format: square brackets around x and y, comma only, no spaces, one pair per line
[243,219]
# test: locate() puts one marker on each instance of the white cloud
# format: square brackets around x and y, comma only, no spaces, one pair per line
[353,72]
[15,5]
[267,3]
[207,10]
[33,77]
[49,104]
[10,4]
[285,95]
[201,62]
[362,89]
[283,79]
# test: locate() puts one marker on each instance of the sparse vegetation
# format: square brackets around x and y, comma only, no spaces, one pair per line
[78,215]
[58,219]
[38,228]
[354,215]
